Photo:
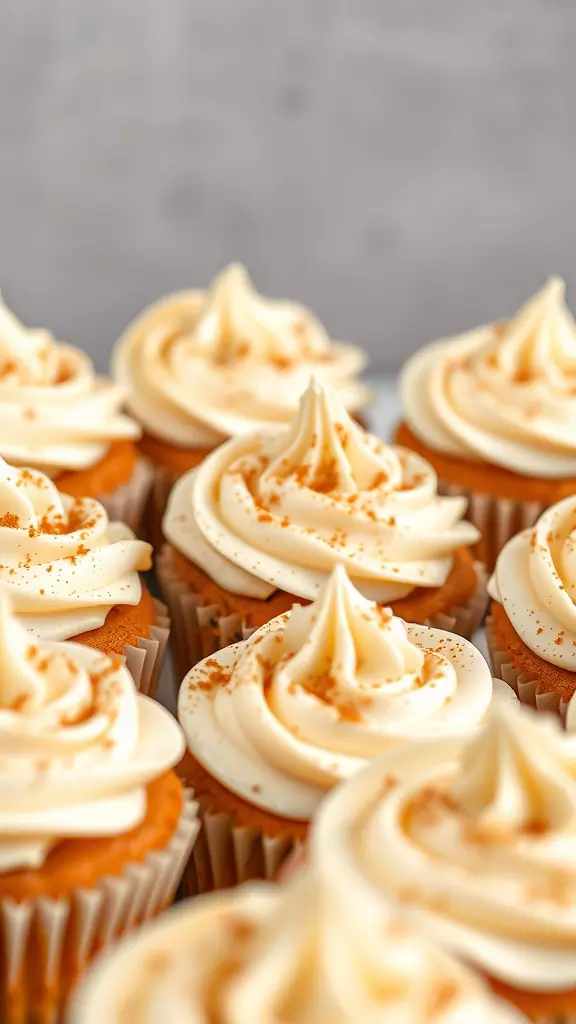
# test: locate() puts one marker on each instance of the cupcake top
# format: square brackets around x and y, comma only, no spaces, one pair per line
[55,413]
[479,837]
[201,367]
[505,393]
[312,696]
[63,562]
[79,744]
[535,581]
[278,509]
[308,953]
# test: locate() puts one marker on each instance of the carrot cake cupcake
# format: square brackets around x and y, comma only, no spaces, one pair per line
[58,416]
[275,722]
[476,838]
[95,828]
[203,366]
[309,953]
[73,574]
[494,411]
[265,518]
[531,629]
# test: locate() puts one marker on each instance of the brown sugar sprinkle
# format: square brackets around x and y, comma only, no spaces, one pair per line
[378,480]
[432,804]
[557,887]
[30,414]
[18,703]
[265,517]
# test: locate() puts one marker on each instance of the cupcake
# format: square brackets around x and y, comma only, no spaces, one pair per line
[308,953]
[201,367]
[59,417]
[531,629]
[273,723]
[265,518]
[73,575]
[494,411]
[476,838]
[95,828]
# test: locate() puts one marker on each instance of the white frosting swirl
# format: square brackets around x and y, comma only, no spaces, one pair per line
[204,366]
[78,745]
[278,509]
[535,581]
[505,393]
[308,953]
[480,843]
[55,413]
[64,563]
[312,696]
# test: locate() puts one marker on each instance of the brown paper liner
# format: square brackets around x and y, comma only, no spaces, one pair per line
[127,503]
[524,687]
[198,631]
[227,853]
[60,937]
[498,519]
[144,660]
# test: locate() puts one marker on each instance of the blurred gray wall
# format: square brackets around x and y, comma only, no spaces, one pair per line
[407,167]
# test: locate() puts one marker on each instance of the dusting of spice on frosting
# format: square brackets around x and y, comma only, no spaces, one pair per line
[535,581]
[480,834]
[308,952]
[65,564]
[54,411]
[279,509]
[204,366]
[314,694]
[505,393]
[78,744]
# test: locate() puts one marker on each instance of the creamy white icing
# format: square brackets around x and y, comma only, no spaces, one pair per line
[63,562]
[477,838]
[204,366]
[310,698]
[78,744]
[308,953]
[55,413]
[505,393]
[278,509]
[535,581]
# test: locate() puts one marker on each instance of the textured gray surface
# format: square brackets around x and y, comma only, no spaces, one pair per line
[405,166]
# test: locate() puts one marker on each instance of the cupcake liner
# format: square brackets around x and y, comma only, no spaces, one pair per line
[163,480]
[198,631]
[57,938]
[227,853]
[127,503]
[524,687]
[144,659]
[498,519]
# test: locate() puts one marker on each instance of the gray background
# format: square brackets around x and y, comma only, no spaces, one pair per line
[406,167]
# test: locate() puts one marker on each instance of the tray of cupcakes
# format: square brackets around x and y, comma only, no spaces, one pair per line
[364,817]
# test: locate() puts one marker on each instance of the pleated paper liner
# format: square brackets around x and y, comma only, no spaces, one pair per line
[524,687]
[163,480]
[227,853]
[127,503]
[144,660]
[198,630]
[498,519]
[45,944]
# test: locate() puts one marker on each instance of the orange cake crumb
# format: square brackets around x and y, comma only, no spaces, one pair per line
[114,470]
[123,625]
[550,678]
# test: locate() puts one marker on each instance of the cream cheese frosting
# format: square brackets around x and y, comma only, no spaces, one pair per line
[476,837]
[312,696]
[278,509]
[55,413]
[504,393]
[535,581]
[201,367]
[65,564]
[78,744]
[307,953]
